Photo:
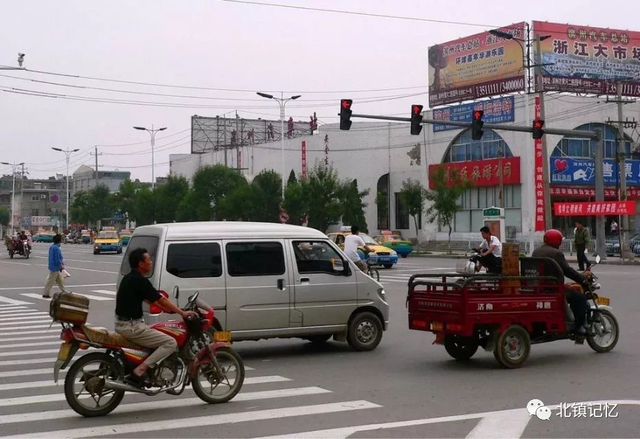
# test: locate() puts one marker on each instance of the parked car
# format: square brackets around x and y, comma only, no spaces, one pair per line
[396,243]
[380,254]
[612,244]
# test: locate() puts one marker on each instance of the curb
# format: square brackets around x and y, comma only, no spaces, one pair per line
[459,256]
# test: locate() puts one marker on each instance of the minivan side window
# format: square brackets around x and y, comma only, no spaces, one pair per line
[140,241]
[194,260]
[315,257]
[255,259]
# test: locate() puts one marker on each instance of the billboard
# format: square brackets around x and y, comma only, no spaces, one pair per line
[586,59]
[478,66]
[597,208]
[495,111]
[578,171]
[482,173]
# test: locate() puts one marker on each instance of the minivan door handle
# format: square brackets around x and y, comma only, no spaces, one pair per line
[304,279]
[281,284]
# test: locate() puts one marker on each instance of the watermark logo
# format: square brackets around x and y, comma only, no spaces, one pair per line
[536,408]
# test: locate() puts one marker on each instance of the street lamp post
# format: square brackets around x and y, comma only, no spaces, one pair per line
[282,102]
[153,144]
[67,152]
[14,166]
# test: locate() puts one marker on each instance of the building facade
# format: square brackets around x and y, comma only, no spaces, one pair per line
[86,178]
[383,155]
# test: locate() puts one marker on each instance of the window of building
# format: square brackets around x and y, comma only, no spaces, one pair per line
[474,200]
[315,257]
[465,149]
[194,260]
[575,147]
[35,198]
[34,212]
[255,259]
[402,216]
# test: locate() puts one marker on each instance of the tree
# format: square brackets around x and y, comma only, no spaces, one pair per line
[167,197]
[352,205]
[100,203]
[80,207]
[295,202]
[412,196]
[5,216]
[144,210]
[211,185]
[321,190]
[125,199]
[292,178]
[445,197]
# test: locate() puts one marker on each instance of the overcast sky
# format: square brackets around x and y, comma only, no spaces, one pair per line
[223,45]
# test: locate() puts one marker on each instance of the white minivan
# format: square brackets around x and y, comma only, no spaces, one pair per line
[266,280]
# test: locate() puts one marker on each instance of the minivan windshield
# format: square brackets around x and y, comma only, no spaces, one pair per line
[140,241]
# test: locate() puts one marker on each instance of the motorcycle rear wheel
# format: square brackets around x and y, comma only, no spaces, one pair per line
[77,370]
[223,355]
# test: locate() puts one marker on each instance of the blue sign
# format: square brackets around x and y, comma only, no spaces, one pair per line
[495,111]
[578,171]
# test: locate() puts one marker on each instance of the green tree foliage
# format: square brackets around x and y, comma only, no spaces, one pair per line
[448,188]
[352,205]
[211,185]
[125,199]
[80,207]
[413,197]
[322,191]
[167,198]
[5,216]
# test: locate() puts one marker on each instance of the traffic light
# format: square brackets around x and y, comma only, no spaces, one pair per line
[476,125]
[345,114]
[416,119]
[538,132]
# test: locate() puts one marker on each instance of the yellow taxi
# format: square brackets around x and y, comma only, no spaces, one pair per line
[107,240]
[394,242]
[380,255]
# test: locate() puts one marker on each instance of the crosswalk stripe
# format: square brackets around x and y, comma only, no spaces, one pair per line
[249,396]
[108,292]
[21,321]
[89,296]
[13,302]
[36,352]
[204,421]
[40,318]
[49,383]
[11,309]
[38,361]
[3,333]
[27,372]
[28,345]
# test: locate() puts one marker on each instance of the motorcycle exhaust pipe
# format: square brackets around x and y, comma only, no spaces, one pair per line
[118,385]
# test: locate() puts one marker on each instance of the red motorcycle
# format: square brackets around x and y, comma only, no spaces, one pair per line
[95,383]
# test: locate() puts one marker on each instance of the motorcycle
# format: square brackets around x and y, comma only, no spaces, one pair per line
[472,263]
[202,360]
[19,248]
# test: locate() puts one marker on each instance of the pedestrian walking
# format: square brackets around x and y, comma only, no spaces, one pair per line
[56,266]
[581,240]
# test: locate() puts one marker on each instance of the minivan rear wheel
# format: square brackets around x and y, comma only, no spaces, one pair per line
[365,332]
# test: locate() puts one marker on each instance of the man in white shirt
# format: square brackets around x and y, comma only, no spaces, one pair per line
[351,244]
[491,252]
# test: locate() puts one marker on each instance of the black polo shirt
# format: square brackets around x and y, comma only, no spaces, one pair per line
[134,289]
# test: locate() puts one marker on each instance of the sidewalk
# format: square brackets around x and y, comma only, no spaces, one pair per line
[610,260]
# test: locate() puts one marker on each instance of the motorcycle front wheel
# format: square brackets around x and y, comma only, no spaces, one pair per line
[84,385]
[607,328]
[213,391]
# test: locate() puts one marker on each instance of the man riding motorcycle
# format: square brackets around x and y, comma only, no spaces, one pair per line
[577,301]
[23,237]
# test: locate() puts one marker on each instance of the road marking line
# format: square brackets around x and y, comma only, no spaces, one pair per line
[49,383]
[505,425]
[21,310]
[108,292]
[8,346]
[205,421]
[81,261]
[3,333]
[39,296]
[70,268]
[14,302]
[28,345]
[12,326]
[38,318]
[35,352]
[41,287]
[27,372]
[37,361]
[249,396]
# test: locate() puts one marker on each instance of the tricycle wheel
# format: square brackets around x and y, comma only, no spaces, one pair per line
[10,254]
[460,348]
[513,347]
[607,326]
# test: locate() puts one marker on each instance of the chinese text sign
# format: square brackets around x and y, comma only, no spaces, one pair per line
[495,111]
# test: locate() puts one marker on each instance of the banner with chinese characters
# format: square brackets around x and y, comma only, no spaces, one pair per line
[566,170]
[539,176]
[595,208]
[304,158]
[586,59]
[478,66]
[579,192]
[495,111]
[482,172]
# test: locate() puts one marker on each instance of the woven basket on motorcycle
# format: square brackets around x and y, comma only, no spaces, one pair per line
[69,308]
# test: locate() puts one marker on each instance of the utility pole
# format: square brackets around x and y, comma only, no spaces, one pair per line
[599,187]
[14,167]
[97,173]
[67,154]
[545,157]
[622,169]
[22,195]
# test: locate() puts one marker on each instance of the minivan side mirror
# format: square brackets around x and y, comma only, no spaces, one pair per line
[338,265]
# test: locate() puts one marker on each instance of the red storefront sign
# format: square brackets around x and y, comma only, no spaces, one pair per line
[304,158]
[581,192]
[539,176]
[483,172]
[595,208]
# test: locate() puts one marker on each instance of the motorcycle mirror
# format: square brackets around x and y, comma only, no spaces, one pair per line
[598,259]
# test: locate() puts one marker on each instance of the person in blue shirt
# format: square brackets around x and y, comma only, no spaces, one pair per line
[56,265]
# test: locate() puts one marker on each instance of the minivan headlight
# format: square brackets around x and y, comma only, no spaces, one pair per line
[382,294]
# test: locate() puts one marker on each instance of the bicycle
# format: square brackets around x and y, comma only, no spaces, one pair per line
[371,270]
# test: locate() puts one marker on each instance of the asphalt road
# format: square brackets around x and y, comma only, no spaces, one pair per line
[407,387]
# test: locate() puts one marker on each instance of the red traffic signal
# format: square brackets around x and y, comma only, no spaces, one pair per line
[346,103]
[345,114]
[476,125]
[416,119]
[538,132]
[477,115]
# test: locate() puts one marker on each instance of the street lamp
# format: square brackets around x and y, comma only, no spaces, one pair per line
[20,61]
[13,192]
[67,153]
[282,102]
[153,144]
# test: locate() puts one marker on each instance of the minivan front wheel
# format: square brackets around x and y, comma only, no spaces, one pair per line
[365,332]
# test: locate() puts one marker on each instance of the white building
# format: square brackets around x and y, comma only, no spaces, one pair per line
[381,155]
[86,178]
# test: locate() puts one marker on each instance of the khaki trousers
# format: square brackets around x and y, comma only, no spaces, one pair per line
[138,332]
[362,265]
[55,277]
